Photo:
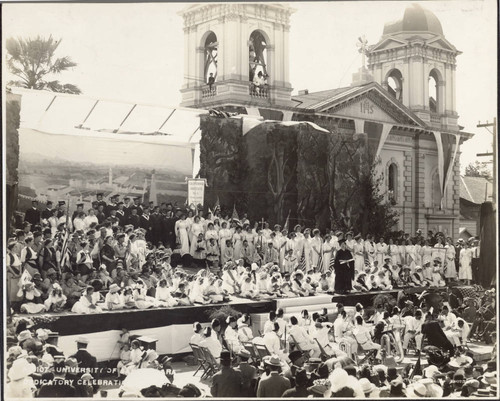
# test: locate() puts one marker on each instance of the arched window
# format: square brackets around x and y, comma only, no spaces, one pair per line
[433,92]
[257,55]
[392,184]
[210,67]
[395,84]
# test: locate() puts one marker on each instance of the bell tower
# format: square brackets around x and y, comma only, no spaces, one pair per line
[417,65]
[236,54]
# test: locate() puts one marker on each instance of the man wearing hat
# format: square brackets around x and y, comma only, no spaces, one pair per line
[344,269]
[297,358]
[32,215]
[84,358]
[228,381]
[274,385]
[48,212]
[300,389]
[248,374]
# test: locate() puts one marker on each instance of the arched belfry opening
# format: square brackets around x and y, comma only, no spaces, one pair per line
[395,84]
[236,55]
[257,55]
[434,96]
[210,59]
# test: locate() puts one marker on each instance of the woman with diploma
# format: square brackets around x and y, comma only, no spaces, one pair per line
[344,269]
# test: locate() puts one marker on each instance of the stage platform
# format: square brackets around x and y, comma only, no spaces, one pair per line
[173,326]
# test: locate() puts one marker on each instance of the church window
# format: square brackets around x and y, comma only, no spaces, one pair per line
[392,182]
[395,84]
[210,70]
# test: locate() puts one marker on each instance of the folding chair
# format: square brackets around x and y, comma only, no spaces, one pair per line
[213,365]
[249,346]
[297,346]
[200,358]
[262,350]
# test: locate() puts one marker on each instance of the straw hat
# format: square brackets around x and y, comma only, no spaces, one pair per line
[366,385]
[24,335]
[114,288]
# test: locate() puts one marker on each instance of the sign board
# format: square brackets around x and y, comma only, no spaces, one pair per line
[196,191]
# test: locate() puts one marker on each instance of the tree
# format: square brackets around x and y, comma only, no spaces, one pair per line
[33,61]
[376,216]
[478,169]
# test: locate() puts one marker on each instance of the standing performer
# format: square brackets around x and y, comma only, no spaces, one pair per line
[344,269]
[359,255]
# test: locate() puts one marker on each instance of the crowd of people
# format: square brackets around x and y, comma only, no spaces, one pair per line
[308,355]
[127,254]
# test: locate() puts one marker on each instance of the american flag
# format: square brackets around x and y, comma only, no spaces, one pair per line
[302,261]
[235,213]
[287,222]
[64,248]
[332,262]
[217,205]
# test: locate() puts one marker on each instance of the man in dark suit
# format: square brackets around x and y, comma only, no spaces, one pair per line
[112,205]
[61,206]
[156,225]
[274,385]
[33,215]
[48,212]
[145,223]
[134,218]
[100,200]
[228,381]
[126,206]
[120,214]
[86,361]
[168,229]
[138,206]
[79,209]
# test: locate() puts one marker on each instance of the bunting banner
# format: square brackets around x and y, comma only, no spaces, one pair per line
[447,147]
[386,128]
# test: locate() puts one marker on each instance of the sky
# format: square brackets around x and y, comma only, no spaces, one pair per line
[134,52]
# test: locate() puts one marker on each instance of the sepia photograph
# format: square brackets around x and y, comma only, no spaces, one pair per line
[249,199]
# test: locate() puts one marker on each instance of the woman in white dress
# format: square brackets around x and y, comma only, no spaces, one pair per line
[224,235]
[381,251]
[370,251]
[427,253]
[465,269]
[237,243]
[196,230]
[450,272]
[327,253]
[418,253]
[402,252]
[410,254]
[359,254]
[87,303]
[189,220]
[181,231]
[393,252]
[438,251]
[282,242]
[250,236]
[316,249]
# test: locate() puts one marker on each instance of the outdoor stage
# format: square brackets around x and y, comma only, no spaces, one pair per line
[173,326]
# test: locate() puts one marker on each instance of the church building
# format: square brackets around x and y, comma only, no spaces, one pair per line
[403,101]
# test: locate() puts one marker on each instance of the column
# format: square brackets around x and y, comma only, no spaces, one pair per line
[407,191]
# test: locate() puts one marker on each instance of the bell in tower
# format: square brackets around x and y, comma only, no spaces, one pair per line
[236,55]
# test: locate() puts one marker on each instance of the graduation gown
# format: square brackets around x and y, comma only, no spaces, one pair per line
[344,273]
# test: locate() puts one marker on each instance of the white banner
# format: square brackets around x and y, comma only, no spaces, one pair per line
[196,191]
